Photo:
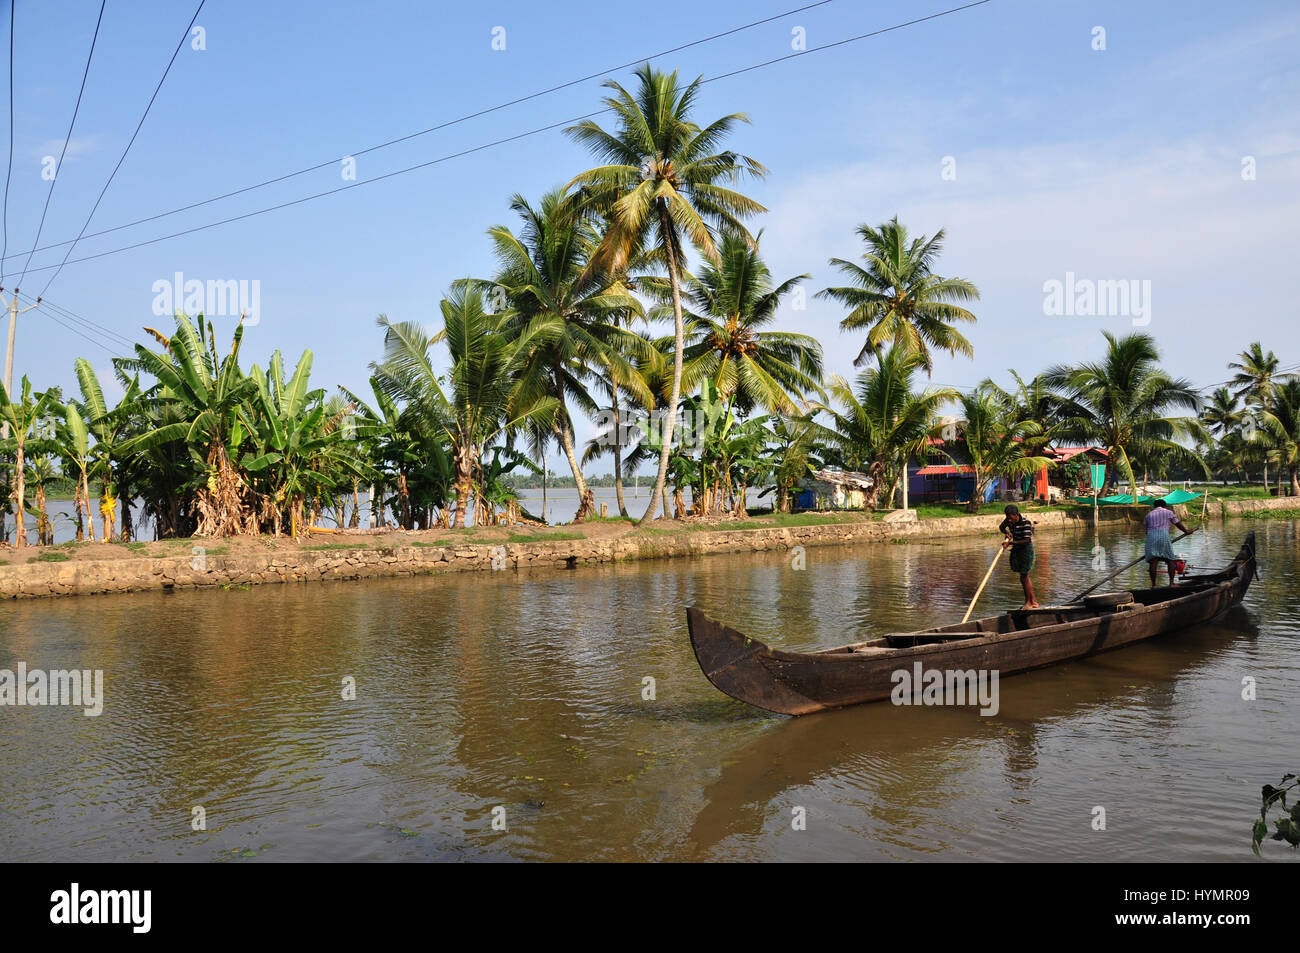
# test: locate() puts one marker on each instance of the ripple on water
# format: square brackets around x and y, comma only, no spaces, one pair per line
[528,693]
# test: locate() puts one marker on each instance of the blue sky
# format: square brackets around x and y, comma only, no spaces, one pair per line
[1116,164]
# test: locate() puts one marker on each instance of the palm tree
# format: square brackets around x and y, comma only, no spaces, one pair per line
[897,296]
[799,451]
[662,178]
[1222,414]
[1255,378]
[881,419]
[480,401]
[1123,404]
[996,442]
[570,313]
[730,304]
[615,437]
[22,417]
[1282,423]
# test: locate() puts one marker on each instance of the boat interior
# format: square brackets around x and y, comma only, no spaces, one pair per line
[1018,620]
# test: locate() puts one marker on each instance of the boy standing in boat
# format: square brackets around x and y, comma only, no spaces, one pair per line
[1019,534]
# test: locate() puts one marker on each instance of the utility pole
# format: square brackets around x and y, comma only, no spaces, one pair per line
[14,311]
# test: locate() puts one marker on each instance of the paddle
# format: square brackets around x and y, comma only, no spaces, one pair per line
[970,608]
[1129,566]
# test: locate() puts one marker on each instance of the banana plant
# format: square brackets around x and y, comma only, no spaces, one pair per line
[72,439]
[212,393]
[110,428]
[22,417]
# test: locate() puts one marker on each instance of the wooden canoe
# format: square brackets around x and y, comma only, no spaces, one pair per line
[799,683]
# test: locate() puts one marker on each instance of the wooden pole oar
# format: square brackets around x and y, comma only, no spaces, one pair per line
[970,608]
[1141,558]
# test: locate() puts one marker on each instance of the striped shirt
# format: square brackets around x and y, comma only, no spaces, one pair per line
[1159,518]
[1020,530]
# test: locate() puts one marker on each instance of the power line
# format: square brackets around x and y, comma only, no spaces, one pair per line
[66,139]
[492,144]
[443,125]
[71,328]
[130,143]
[12,6]
[105,332]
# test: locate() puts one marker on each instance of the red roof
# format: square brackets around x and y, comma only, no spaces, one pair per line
[945,471]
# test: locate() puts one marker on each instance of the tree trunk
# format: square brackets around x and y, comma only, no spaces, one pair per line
[404,502]
[618,450]
[667,231]
[1295,484]
[128,528]
[586,499]
[222,502]
[464,485]
[19,491]
[975,496]
[44,536]
[81,526]
[355,521]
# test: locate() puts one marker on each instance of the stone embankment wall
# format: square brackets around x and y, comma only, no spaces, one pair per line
[86,577]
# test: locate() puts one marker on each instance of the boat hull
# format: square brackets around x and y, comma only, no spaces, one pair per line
[795,683]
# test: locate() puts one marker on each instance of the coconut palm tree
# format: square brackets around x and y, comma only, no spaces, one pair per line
[1030,400]
[1222,414]
[663,178]
[1124,403]
[898,298]
[570,312]
[22,416]
[1257,374]
[730,305]
[996,442]
[479,400]
[1282,424]
[879,419]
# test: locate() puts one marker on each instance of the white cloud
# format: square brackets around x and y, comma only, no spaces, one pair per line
[1217,249]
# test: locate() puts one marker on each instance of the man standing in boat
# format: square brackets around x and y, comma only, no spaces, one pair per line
[1158,547]
[1019,534]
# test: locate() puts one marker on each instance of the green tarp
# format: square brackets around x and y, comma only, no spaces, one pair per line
[1178,496]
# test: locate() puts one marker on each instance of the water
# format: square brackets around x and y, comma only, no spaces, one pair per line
[524,692]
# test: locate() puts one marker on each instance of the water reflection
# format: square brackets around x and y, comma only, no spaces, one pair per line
[523,694]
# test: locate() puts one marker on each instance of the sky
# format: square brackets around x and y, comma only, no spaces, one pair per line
[1155,144]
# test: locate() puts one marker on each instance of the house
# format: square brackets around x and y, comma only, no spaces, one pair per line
[949,482]
[833,489]
[1062,482]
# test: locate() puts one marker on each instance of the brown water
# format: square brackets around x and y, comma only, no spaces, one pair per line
[524,691]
